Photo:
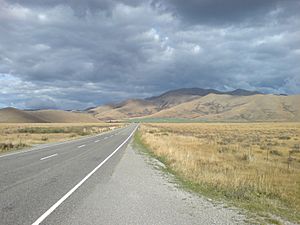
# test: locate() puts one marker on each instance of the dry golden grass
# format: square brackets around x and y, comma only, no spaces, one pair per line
[16,136]
[248,162]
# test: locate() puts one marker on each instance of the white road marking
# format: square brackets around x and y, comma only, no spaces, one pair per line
[80,146]
[52,145]
[97,141]
[47,157]
[105,138]
[60,201]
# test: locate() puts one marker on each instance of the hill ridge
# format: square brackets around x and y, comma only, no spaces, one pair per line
[13,115]
[188,103]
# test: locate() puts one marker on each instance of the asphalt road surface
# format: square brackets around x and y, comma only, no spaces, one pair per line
[98,180]
[36,182]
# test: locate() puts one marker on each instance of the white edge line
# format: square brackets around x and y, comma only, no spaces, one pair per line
[47,157]
[60,201]
[49,145]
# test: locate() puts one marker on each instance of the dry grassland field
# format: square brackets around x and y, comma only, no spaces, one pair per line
[255,166]
[15,136]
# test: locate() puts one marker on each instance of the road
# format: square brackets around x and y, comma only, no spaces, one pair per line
[98,180]
[36,183]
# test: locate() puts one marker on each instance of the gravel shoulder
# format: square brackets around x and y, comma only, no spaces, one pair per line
[139,193]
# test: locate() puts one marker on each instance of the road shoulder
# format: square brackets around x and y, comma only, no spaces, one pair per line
[138,193]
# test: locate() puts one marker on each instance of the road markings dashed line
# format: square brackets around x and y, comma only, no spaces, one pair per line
[80,146]
[47,157]
[49,146]
[97,141]
[60,201]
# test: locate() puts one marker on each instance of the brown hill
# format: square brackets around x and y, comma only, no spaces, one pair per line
[175,97]
[12,115]
[124,110]
[191,103]
[237,108]
[146,107]
[60,116]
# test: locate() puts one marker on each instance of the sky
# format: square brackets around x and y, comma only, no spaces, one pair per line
[74,54]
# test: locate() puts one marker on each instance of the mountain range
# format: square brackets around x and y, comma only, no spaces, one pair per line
[188,103]
[206,104]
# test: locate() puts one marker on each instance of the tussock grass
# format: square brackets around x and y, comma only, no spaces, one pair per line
[16,136]
[256,166]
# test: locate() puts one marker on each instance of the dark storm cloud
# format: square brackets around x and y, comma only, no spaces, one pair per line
[77,54]
[229,11]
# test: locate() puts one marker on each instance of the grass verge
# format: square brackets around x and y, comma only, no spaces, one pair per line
[265,206]
[19,136]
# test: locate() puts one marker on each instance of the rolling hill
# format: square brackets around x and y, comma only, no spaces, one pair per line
[214,107]
[124,110]
[60,116]
[12,115]
[188,103]
[145,107]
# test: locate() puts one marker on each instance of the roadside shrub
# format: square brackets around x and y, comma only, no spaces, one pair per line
[9,146]
[44,138]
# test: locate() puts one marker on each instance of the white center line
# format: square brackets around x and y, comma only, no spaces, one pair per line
[60,201]
[47,157]
[80,146]
[97,141]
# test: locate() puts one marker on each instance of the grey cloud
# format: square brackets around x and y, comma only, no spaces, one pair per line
[50,55]
[81,8]
[43,102]
[229,11]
